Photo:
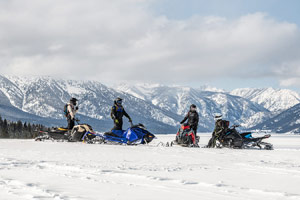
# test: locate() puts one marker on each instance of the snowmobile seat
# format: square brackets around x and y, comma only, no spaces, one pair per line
[114,133]
[62,129]
[246,135]
[79,131]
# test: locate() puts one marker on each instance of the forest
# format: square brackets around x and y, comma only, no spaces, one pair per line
[19,130]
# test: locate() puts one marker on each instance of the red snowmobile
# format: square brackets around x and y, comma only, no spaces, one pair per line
[186,137]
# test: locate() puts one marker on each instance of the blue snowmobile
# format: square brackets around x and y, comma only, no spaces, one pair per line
[136,134]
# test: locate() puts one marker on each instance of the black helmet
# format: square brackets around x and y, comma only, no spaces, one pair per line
[73,100]
[193,106]
[118,101]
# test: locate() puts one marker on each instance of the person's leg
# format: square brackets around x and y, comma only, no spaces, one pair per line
[214,141]
[119,125]
[195,131]
[71,123]
[115,126]
[211,140]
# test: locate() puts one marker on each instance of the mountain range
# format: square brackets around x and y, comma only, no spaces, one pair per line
[286,122]
[159,107]
[275,100]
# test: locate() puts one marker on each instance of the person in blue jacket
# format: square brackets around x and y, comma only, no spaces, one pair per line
[117,113]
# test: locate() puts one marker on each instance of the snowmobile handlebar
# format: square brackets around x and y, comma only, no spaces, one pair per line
[235,126]
[77,120]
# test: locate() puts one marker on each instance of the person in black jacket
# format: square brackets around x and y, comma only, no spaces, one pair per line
[117,113]
[193,118]
[219,130]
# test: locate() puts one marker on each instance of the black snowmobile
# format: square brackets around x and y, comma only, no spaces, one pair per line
[233,139]
[55,134]
[62,134]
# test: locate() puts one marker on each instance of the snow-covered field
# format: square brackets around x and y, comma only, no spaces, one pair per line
[53,170]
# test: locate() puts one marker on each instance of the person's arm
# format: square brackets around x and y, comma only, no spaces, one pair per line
[197,121]
[113,113]
[71,112]
[76,110]
[219,128]
[126,115]
[186,117]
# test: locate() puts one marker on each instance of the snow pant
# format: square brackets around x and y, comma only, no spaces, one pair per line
[212,141]
[119,125]
[194,128]
[195,131]
[71,123]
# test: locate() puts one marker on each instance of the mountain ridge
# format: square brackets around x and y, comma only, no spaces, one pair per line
[286,122]
[159,107]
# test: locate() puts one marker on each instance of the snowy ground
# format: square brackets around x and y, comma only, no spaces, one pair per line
[51,170]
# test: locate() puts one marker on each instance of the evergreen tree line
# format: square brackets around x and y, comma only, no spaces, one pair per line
[19,130]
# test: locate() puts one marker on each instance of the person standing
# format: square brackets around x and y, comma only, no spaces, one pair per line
[117,113]
[193,118]
[70,111]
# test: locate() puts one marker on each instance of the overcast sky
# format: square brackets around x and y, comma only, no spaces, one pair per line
[227,44]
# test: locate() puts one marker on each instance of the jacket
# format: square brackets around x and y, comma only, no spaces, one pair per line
[193,119]
[117,112]
[71,110]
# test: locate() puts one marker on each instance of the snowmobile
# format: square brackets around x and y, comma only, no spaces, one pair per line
[62,134]
[185,137]
[55,134]
[233,139]
[136,134]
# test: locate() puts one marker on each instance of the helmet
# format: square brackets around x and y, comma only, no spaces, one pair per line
[73,100]
[193,107]
[118,101]
[218,117]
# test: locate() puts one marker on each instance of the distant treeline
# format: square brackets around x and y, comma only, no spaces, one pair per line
[19,129]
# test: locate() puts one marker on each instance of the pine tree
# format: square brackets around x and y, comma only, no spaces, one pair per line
[19,130]
[1,125]
[5,133]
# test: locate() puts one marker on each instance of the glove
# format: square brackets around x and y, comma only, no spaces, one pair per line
[117,121]
[76,108]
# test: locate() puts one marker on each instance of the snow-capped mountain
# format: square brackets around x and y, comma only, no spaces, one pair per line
[159,107]
[177,99]
[45,97]
[287,121]
[275,100]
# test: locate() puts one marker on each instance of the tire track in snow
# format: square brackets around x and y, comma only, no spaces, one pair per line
[29,190]
[92,173]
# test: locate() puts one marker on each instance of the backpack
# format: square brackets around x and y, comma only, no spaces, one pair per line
[66,112]
[225,124]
